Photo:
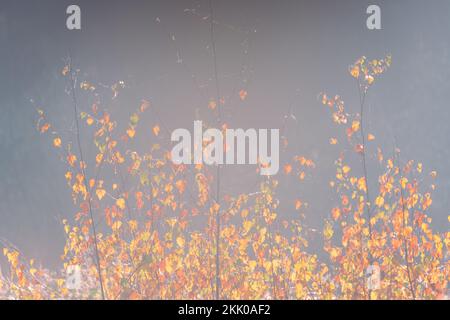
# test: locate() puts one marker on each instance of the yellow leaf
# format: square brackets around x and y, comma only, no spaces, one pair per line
[355,125]
[100,193]
[89,121]
[346,169]
[120,203]
[379,201]
[116,225]
[403,182]
[247,226]
[180,242]
[419,167]
[355,71]
[133,225]
[362,184]
[333,141]
[328,231]
[168,267]
[131,132]
[335,213]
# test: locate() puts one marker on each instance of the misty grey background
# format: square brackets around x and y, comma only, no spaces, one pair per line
[284,53]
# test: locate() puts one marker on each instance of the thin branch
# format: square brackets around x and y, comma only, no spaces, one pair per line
[91,216]
[213,45]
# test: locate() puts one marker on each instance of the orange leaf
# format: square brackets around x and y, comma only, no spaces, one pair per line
[287,169]
[45,127]
[156,130]
[355,72]
[335,213]
[243,94]
[355,125]
[57,142]
[131,132]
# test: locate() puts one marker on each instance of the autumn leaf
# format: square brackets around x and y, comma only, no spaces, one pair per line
[180,242]
[98,158]
[181,186]
[71,158]
[298,204]
[419,167]
[100,193]
[328,230]
[335,213]
[355,125]
[333,141]
[369,79]
[362,184]
[45,127]
[247,226]
[370,137]
[243,94]
[131,132]
[156,130]
[57,142]
[403,182]
[354,71]
[301,175]
[120,203]
[379,201]
[287,169]
[116,226]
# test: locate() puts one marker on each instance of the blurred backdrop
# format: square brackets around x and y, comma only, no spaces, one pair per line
[283,53]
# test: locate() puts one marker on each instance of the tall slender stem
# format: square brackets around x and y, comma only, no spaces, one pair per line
[213,45]
[83,172]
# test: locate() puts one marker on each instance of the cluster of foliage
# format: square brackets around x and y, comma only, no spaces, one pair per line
[146,228]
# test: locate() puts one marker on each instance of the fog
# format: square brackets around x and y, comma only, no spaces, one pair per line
[283,53]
